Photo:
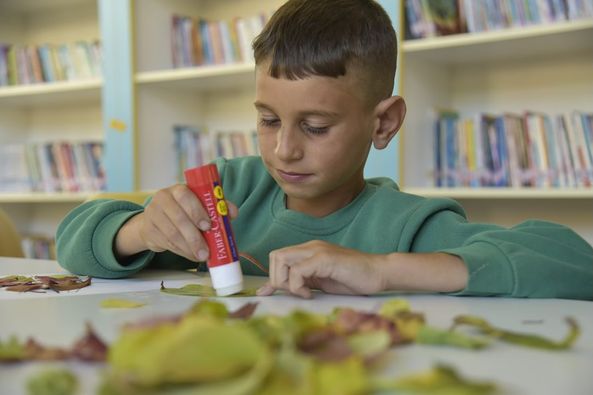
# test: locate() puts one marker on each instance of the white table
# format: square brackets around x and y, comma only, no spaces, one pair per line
[58,319]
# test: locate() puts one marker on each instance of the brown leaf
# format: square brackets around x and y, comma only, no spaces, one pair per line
[27,287]
[152,322]
[90,347]
[325,344]
[38,352]
[350,321]
[9,281]
[244,312]
[50,280]
[70,284]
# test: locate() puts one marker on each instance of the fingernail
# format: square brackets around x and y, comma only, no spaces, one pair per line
[202,255]
[263,291]
[204,225]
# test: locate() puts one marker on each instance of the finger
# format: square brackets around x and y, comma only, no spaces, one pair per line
[163,244]
[314,268]
[297,279]
[265,290]
[194,242]
[169,235]
[233,210]
[192,206]
[278,270]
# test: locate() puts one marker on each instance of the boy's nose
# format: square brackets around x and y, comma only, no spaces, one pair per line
[288,144]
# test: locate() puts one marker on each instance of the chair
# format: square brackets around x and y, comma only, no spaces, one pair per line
[10,240]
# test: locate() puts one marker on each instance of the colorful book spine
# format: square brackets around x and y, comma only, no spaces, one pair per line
[511,150]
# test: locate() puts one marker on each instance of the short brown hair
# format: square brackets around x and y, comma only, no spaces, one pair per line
[328,37]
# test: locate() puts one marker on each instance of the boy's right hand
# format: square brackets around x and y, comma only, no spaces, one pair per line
[172,221]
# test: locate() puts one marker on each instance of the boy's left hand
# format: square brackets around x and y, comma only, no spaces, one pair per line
[321,265]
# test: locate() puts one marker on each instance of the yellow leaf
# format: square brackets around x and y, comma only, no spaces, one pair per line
[120,304]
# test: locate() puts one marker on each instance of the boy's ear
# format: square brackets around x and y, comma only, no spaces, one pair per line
[389,117]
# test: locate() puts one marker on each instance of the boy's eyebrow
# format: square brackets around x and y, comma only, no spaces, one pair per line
[327,114]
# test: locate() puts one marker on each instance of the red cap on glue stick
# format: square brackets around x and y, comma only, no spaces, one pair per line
[223,262]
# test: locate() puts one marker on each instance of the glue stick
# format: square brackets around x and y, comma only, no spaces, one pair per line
[223,262]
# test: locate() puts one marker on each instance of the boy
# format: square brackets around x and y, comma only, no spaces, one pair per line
[324,77]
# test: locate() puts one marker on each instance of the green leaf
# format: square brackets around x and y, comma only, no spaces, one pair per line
[348,377]
[53,382]
[209,308]
[120,304]
[440,380]
[12,350]
[369,344]
[393,307]
[196,350]
[292,373]
[204,291]
[523,339]
[436,336]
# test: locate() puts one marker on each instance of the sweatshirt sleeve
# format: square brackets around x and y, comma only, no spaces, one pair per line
[532,259]
[85,238]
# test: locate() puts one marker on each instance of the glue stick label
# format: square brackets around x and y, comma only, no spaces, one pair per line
[205,183]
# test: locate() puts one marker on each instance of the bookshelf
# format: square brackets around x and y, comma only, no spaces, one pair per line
[142,96]
[45,112]
[211,97]
[544,68]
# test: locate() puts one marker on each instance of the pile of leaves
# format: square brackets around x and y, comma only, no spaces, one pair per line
[55,283]
[89,348]
[210,350]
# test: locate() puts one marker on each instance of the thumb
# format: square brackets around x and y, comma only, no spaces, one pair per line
[265,290]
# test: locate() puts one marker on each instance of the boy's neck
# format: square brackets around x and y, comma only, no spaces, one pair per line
[328,204]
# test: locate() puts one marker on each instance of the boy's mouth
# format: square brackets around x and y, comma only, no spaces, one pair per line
[290,176]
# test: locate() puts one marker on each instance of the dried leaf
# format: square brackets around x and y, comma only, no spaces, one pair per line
[203,291]
[325,345]
[90,347]
[38,352]
[12,350]
[198,349]
[523,339]
[349,377]
[441,337]
[393,307]
[69,283]
[441,380]
[57,283]
[53,382]
[350,321]
[244,312]
[208,308]
[190,290]
[8,281]
[115,303]
[26,287]
[370,345]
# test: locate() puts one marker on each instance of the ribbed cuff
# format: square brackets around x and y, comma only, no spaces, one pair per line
[103,241]
[490,272]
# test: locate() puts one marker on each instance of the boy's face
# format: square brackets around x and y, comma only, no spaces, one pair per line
[314,137]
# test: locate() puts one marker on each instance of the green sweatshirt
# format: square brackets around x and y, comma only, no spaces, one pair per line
[532,259]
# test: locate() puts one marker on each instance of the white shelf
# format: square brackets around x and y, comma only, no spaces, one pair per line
[40,5]
[525,42]
[51,94]
[204,78]
[503,193]
[39,197]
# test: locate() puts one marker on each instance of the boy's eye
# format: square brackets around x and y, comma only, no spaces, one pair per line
[314,130]
[268,122]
